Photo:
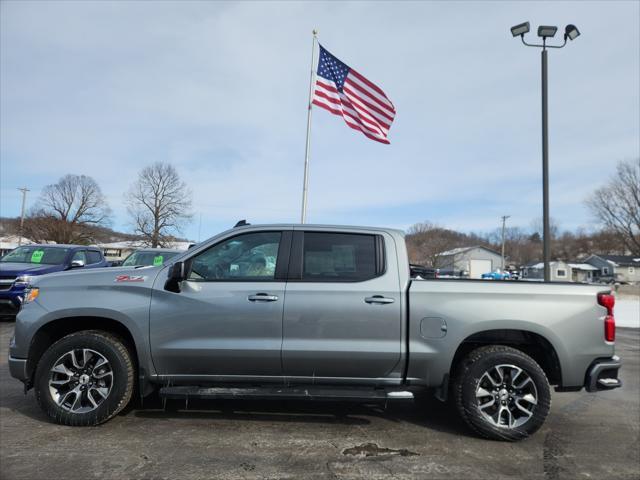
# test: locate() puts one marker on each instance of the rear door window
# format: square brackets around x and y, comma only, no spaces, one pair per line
[93,257]
[339,257]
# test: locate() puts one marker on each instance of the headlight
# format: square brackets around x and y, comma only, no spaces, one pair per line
[23,281]
[30,295]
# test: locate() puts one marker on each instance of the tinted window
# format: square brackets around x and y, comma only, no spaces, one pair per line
[247,257]
[37,254]
[338,257]
[80,255]
[146,258]
[93,257]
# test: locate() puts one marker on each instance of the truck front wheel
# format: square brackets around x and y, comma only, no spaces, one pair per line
[501,393]
[85,378]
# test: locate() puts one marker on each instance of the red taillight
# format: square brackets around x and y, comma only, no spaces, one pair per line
[610,328]
[608,301]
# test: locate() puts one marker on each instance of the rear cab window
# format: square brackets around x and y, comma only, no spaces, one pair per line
[341,257]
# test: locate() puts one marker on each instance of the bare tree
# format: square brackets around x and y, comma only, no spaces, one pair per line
[426,240]
[68,211]
[617,204]
[159,204]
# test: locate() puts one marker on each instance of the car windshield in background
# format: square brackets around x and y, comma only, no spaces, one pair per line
[137,259]
[36,255]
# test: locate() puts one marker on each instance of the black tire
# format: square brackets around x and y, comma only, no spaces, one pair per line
[467,378]
[114,350]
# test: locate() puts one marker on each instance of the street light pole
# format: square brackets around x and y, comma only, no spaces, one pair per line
[504,221]
[545,32]
[546,239]
[24,191]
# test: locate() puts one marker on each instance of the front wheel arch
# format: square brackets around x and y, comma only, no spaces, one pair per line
[54,330]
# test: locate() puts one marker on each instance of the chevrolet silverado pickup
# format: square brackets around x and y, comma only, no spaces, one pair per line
[310,312]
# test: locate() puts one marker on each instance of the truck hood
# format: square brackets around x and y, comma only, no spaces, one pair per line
[10,269]
[95,277]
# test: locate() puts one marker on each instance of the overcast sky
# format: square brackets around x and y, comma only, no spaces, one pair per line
[220,90]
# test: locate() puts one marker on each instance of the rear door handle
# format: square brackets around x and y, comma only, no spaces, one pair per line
[262,297]
[379,299]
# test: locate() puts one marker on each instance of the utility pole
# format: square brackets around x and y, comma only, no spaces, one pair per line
[24,191]
[504,221]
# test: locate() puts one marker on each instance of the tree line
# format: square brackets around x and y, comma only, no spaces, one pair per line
[74,209]
[615,206]
[158,202]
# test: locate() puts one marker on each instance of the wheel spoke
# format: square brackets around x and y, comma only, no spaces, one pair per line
[60,382]
[61,368]
[523,384]
[101,361]
[74,360]
[77,402]
[108,373]
[90,397]
[101,390]
[523,409]
[481,392]
[488,404]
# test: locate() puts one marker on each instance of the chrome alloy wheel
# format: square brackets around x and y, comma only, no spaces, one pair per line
[80,380]
[506,396]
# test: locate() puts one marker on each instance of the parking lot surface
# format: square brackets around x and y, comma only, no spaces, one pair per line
[586,436]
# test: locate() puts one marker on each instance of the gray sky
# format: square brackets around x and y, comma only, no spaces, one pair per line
[220,90]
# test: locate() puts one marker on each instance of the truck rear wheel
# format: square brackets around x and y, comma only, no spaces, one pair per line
[501,393]
[85,378]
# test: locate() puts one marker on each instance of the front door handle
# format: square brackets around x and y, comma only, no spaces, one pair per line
[262,297]
[379,299]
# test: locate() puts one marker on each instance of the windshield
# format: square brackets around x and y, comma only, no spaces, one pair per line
[144,259]
[36,255]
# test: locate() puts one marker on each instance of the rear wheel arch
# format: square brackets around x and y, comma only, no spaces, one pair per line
[533,344]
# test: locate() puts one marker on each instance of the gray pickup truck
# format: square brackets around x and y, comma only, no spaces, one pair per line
[310,312]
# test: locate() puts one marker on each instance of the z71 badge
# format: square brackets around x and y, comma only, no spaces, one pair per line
[130,278]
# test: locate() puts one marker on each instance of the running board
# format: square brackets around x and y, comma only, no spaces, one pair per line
[286,393]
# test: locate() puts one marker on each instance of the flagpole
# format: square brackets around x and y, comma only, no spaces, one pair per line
[307,151]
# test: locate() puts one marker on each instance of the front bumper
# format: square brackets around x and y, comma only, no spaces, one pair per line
[603,374]
[18,368]
[10,302]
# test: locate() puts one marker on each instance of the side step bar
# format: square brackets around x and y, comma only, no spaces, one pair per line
[286,393]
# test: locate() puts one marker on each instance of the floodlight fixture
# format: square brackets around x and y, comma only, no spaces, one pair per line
[520,29]
[547,31]
[571,32]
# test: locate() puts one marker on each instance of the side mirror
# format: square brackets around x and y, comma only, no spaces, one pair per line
[174,277]
[77,264]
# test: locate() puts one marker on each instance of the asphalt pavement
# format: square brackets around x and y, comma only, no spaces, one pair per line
[590,436]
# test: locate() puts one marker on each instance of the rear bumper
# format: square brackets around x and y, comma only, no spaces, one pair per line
[603,374]
[18,368]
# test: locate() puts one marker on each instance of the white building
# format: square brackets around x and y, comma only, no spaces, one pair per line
[468,261]
[10,242]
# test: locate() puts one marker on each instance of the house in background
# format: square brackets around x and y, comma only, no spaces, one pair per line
[117,251]
[561,272]
[10,242]
[468,261]
[616,268]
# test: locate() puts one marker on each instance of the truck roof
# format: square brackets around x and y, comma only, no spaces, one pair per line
[311,226]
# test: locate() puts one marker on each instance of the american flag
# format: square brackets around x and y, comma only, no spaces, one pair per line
[343,91]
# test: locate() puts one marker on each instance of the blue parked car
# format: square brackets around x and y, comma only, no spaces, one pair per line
[19,265]
[497,275]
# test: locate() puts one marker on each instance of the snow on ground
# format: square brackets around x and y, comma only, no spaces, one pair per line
[627,311]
